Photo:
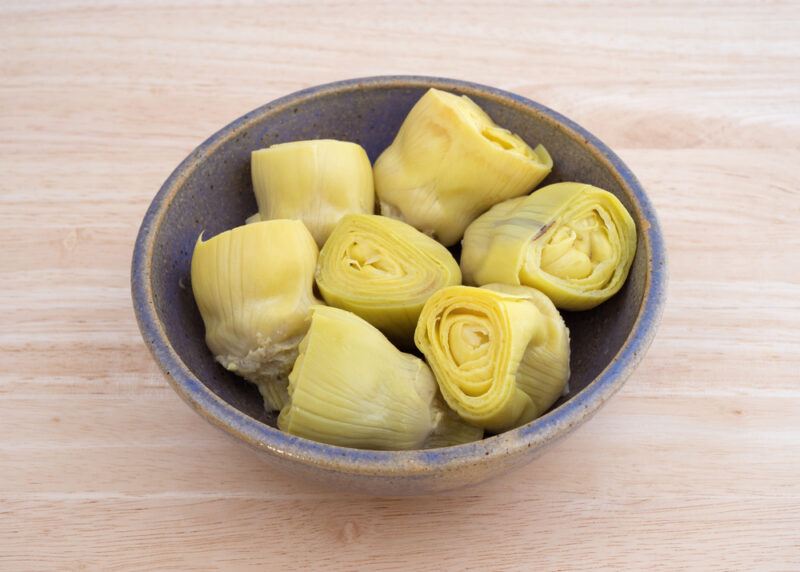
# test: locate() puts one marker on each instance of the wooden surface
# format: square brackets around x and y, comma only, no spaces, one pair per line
[695,464]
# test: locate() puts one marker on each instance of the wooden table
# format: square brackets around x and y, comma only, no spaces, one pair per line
[695,464]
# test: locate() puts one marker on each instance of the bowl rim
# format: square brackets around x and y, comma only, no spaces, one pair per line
[536,434]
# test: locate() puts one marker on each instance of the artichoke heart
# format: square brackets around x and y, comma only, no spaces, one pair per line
[351,387]
[449,163]
[253,285]
[383,270]
[572,241]
[316,181]
[500,353]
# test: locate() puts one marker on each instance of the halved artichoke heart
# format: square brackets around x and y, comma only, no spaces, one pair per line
[449,163]
[572,241]
[500,353]
[383,270]
[253,285]
[317,181]
[351,387]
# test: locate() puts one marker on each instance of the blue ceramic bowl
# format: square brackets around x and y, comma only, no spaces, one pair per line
[211,191]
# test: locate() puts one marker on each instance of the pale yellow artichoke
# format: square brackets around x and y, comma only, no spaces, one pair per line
[572,241]
[383,270]
[449,163]
[253,285]
[317,181]
[351,387]
[500,353]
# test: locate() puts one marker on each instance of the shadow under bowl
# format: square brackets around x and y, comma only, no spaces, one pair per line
[210,191]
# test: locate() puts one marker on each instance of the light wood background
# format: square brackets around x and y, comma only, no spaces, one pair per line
[694,465]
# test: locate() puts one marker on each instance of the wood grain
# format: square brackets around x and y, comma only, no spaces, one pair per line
[694,465]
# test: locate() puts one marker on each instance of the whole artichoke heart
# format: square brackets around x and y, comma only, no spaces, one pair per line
[383,270]
[351,387]
[253,285]
[449,163]
[316,181]
[573,241]
[499,353]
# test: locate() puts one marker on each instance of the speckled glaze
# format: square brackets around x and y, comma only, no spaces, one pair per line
[210,191]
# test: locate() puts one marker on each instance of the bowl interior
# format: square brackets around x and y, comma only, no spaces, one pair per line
[214,194]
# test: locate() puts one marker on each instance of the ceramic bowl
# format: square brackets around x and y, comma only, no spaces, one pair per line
[211,191]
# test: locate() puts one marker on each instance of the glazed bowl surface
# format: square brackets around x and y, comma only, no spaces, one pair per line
[210,191]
